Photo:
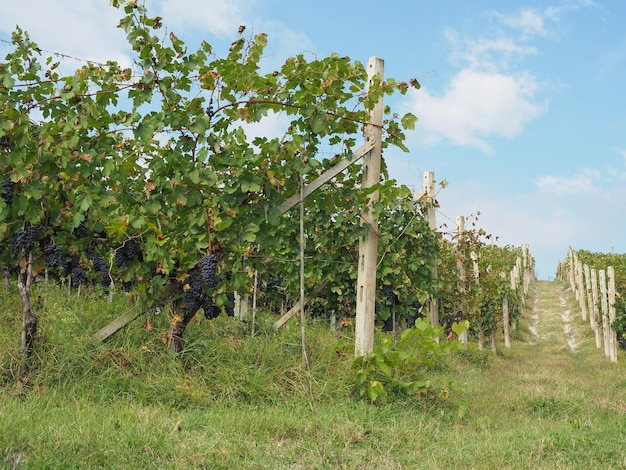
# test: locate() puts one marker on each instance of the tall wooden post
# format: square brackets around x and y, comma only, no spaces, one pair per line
[506,319]
[604,305]
[595,318]
[587,279]
[580,289]
[460,260]
[428,189]
[366,277]
[610,272]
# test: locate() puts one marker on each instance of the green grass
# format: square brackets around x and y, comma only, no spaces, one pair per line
[235,401]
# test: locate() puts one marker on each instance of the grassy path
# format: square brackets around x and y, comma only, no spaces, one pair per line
[554,401]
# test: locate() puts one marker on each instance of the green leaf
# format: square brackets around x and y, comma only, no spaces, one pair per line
[318,121]
[373,391]
[250,186]
[460,327]
[408,121]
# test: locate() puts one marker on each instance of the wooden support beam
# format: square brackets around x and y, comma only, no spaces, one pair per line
[292,311]
[296,308]
[327,176]
[116,325]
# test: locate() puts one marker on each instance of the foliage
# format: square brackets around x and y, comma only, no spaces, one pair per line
[182,174]
[401,368]
[618,261]
[474,278]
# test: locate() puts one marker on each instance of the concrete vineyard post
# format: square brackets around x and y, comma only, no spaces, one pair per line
[368,245]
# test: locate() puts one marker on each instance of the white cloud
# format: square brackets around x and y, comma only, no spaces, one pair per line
[529,22]
[584,181]
[476,106]
[532,22]
[482,53]
[86,29]
[272,126]
[219,17]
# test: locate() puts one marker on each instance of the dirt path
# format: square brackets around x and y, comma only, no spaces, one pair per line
[553,316]
[554,360]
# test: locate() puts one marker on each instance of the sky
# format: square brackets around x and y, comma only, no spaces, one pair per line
[522,109]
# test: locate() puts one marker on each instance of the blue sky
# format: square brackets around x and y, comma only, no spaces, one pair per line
[522,109]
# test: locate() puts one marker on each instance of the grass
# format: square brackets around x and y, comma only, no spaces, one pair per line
[235,401]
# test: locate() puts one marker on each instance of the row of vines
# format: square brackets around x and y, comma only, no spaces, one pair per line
[599,282]
[148,179]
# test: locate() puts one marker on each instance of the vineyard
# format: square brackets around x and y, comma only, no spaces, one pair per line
[597,280]
[155,249]
[145,180]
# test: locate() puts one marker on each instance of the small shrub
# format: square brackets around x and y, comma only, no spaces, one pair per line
[401,369]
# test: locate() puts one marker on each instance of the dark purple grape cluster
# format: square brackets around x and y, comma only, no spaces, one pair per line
[211,310]
[68,264]
[192,293]
[52,255]
[129,251]
[392,298]
[25,239]
[230,306]
[79,276]
[102,267]
[208,266]
[6,190]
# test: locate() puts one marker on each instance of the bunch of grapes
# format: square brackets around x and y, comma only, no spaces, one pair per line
[192,293]
[79,276]
[129,251]
[230,306]
[68,263]
[102,267]
[210,309]
[6,190]
[392,298]
[208,265]
[25,239]
[52,255]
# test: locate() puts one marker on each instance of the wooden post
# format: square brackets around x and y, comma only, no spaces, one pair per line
[587,277]
[242,303]
[570,272]
[610,272]
[366,277]
[512,278]
[254,295]
[596,310]
[506,318]
[479,322]
[580,289]
[527,266]
[605,312]
[575,275]
[460,227]
[428,189]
